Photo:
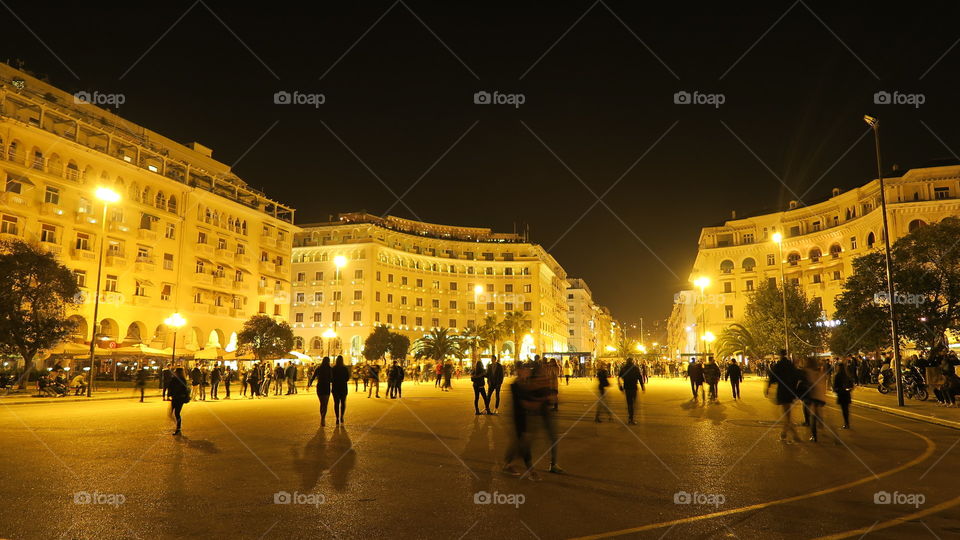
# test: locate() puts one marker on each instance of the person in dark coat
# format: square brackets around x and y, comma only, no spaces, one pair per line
[278,375]
[603,381]
[291,374]
[323,376]
[494,382]
[165,377]
[196,377]
[398,375]
[711,376]
[253,381]
[695,374]
[227,378]
[787,377]
[215,377]
[629,379]
[735,375]
[179,395]
[340,378]
[843,384]
[141,381]
[478,378]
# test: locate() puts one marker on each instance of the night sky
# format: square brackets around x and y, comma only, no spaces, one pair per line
[598,80]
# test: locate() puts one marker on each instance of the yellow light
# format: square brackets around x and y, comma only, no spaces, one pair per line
[339,261]
[329,333]
[709,337]
[107,195]
[176,321]
[777,237]
[655,343]
[478,289]
[702,282]
[610,348]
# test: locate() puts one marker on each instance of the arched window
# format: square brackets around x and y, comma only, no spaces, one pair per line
[835,251]
[146,197]
[298,343]
[871,240]
[172,204]
[161,201]
[793,259]
[815,255]
[749,264]
[135,191]
[316,344]
[73,171]
[726,267]
[915,224]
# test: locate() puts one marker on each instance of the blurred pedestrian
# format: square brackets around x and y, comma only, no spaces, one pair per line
[291,376]
[165,377]
[179,395]
[374,374]
[323,375]
[785,375]
[603,381]
[141,381]
[695,374]
[815,396]
[195,378]
[711,376]
[227,378]
[629,379]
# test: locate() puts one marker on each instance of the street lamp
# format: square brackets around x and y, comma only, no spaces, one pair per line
[176,322]
[329,334]
[874,124]
[108,196]
[477,291]
[339,262]
[778,239]
[702,283]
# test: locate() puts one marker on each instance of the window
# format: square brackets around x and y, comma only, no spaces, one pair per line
[168,261]
[166,292]
[403,300]
[276,310]
[389,278]
[941,193]
[81,278]
[317,316]
[747,238]
[389,298]
[337,296]
[358,295]
[9,225]
[471,306]
[318,297]
[490,306]
[140,288]
[85,206]
[356,316]
[749,264]
[261,307]
[508,287]
[298,317]
[527,288]
[170,231]
[816,278]
[435,303]
[816,226]
[728,312]
[201,237]
[771,259]
[48,233]
[82,243]
[528,306]
[453,285]
[836,274]
[749,285]
[835,251]
[52,195]
[221,243]
[112,283]
[490,287]
[299,297]
[198,299]
[453,323]
[318,276]
[301,276]
[419,283]
[508,306]
[453,304]
[434,322]
[378,275]
[793,259]
[419,321]
[853,242]
[727,286]
[238,276]
[726,267]
[358,274]
[403,319]
[772,282]
[199,267]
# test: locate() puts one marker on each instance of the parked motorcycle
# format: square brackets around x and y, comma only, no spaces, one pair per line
[914,385]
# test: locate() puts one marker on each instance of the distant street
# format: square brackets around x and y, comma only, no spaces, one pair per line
[418,467]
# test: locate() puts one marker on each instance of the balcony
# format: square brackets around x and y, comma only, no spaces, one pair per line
[201,308]
[116,260]
[203,249]
[145,264]
[84,218]
[147,234]
[219,310]
[139,300]
[13,199]
[50,209]
[203,277]
[224,254]
[268,240]
[83,255]
[49,247]
[241,258]
[238,313]
[118,226]
[239,285]
[220,281]
[267,266]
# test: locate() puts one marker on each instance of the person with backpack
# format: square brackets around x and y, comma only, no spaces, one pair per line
[785,375]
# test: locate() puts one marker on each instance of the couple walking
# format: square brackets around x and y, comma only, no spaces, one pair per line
[331,380]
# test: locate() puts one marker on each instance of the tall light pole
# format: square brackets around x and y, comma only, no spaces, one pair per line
[477,291]
[874,123]
[175,322]
[338,262]
[778,239]
[108,196]
[702,283]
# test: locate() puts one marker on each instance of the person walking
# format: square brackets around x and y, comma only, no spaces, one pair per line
[567,371]
[356,378]
[695,374]
[520,445]
[629,379]
[179,395]
[447,375]
[711,376]
[227,378]
[478,377]
[494,381]
[323,375]
[204,383]
[554,372]
[843,387]
[339,377]
[603,381]
[215,378]
[785,375]
[439,370]
[815,396]
[374,374]
[195,378]
[141,381]
[165,377]
[735,375]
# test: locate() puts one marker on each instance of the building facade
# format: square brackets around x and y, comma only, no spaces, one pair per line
[819,243]
[590,327]
[412,277]
[187,235]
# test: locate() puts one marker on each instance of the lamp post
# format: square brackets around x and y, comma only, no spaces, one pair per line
[175,322]
[702,283]
[874,123]
[778,239]
[477,291]
[108,196]
[329,334]
[338,262]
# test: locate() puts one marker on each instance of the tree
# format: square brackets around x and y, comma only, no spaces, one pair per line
[926,277]
[438,345]
[377,344]
[515,324]
[36,292]
[399,347]
[764,320]
[490,331]
[736,339]
[265,337]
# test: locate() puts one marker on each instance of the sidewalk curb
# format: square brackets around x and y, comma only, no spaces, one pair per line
[69,399]
[907,414]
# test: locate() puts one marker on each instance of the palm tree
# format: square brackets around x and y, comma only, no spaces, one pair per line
[514,324]
[438,345]
[736,339]
[473,338]
[491,332]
